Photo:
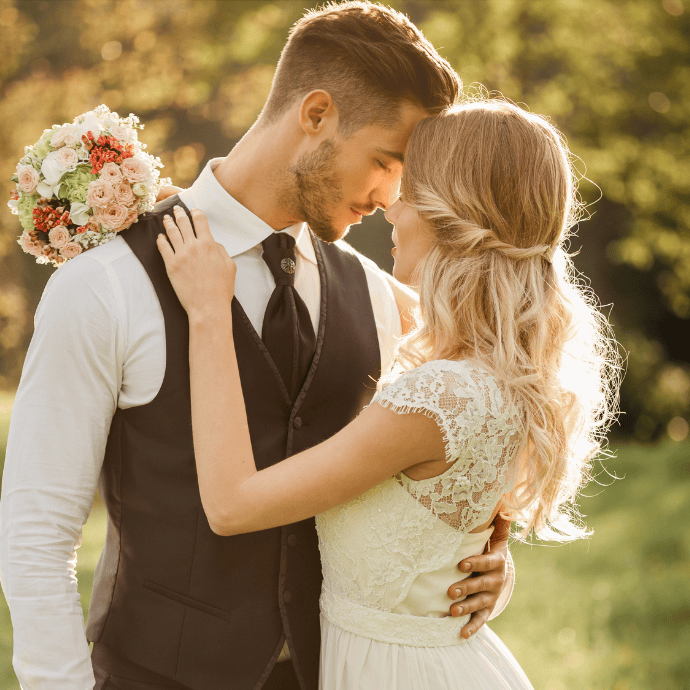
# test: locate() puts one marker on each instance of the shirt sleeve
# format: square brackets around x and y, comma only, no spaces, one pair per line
[507,591]
[58,432]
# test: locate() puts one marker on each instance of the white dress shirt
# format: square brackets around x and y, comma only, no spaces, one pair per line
[99,344]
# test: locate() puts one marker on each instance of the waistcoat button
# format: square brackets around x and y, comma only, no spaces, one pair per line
[287,597]
[297,422]
[292,540]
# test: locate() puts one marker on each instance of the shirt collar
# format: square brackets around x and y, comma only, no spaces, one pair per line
[237,227]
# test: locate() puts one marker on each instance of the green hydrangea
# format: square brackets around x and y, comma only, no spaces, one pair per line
[42,147]
[75,184]
[27,203]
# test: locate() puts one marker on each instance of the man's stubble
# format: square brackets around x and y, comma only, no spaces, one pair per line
[314,188]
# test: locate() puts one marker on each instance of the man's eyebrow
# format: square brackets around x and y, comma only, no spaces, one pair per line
[397,155]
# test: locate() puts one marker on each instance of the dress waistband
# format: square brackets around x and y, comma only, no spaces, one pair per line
[393,628]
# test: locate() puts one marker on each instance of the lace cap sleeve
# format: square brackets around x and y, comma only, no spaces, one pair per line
[480,431]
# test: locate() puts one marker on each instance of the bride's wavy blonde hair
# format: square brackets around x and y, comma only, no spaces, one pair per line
[497,188]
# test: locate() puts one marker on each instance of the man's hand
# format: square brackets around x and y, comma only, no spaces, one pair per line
[483,588]
[166,192]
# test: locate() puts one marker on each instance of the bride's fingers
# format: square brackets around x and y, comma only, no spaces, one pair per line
[165,249]
[184,224]
[203,232]
[173,233]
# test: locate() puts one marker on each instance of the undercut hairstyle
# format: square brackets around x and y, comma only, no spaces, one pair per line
[369,58]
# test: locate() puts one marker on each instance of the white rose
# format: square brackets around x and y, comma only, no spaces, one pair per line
[121,133]
[90,123]
[46,190]
[79,213]
[140,189]
[52,169]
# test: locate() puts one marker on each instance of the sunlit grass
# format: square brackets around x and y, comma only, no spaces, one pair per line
[608,613]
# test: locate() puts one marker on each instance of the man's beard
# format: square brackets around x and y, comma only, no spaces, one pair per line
[315,188]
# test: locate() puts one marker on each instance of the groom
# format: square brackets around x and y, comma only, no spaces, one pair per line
[105,388]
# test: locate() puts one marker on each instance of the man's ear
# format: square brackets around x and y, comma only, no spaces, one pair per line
[317,112]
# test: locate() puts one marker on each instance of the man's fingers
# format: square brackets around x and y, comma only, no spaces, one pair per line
[483,563]
[476,621]
[490,582]
[473,603]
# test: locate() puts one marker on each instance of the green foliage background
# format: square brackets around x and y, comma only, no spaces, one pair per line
[614,76]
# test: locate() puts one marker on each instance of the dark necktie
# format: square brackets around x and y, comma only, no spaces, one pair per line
[287,330]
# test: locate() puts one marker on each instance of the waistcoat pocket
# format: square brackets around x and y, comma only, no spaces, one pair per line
[186,601]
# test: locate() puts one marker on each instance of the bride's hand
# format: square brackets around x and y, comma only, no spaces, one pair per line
[199,268]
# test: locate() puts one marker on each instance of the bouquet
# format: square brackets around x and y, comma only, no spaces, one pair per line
[82,183]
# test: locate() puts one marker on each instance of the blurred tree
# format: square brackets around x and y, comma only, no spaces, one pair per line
[614,77]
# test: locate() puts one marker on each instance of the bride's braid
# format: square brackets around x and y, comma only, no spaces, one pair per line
[464,236]
[495,185]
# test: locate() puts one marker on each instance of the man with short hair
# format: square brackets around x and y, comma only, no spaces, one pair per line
[174,605]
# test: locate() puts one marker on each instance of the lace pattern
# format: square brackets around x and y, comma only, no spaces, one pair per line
[481,435]
[376,546]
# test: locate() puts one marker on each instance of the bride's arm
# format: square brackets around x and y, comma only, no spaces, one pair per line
[237,498]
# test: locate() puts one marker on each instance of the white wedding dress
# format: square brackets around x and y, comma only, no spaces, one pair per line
[390,555]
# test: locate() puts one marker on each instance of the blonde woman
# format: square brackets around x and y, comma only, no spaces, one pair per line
[498,399]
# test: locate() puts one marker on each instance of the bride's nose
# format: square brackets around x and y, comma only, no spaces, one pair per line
[391,213]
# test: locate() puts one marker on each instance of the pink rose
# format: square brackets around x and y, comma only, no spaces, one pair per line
[100,194]
[94,224]
[113,216]
[59,236]
[135,170]
[111,173]
[70,250]
[28,179]
[123,193]
[67,158]
[132,217]
[29,245]
[72,138]
[60,138]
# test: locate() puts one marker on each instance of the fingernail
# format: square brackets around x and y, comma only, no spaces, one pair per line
[177,208]
[458,593]
[460,610]
[166,217]
[466,566]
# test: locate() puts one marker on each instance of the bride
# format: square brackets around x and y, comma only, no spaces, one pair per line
[497,402]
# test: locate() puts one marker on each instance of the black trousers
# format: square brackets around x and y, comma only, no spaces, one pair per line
[114,673]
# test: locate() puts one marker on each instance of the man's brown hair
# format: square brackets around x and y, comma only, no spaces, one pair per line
[369,57]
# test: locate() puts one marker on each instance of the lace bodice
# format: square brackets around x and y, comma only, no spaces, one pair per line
[403,533]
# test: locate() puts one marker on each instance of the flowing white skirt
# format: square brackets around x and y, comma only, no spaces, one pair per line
[353,662]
